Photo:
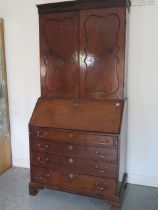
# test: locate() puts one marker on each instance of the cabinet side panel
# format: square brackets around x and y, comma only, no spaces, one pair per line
[123,136]
[126,52]
[123,143]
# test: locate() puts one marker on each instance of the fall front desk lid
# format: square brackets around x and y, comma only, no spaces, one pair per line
[86,115]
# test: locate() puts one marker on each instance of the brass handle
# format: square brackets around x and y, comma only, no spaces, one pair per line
[43,148]
[100,187]
[71,160]
[71,176]
[101,156]
[71,136]
[102,141]
[44,177]
[41,135]
[43,161]
[117,104]
[101,171]
[70,147]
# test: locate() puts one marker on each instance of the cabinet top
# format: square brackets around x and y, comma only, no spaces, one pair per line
[81,5]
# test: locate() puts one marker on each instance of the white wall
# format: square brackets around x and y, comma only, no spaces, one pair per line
[143,96]
[22,54]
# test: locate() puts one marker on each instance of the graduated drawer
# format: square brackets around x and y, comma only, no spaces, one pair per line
[74,136]
[75,150]
[74,182]
[88,167]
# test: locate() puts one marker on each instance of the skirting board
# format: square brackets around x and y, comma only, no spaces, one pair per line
[132,178]
[21,163]
[142,180]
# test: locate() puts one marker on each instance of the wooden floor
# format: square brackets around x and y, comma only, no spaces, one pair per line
[14,196]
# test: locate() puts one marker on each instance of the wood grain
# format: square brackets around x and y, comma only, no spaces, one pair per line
[59,55]
[75,182]
[71,136]
[84,115]
[102,66]
[75,165]
[75,150]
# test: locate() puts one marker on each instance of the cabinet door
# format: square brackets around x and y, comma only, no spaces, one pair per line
[59,54]
[102,53]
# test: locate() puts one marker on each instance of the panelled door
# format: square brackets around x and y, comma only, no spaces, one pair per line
[102,52]
[83,54]
[59,55]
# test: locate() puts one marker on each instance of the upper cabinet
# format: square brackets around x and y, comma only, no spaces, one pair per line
[83,53]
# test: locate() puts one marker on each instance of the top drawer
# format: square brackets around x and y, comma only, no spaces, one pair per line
[74,136]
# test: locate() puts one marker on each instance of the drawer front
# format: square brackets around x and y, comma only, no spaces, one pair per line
[74,182]
[88,167]
[75,150]
[74,136]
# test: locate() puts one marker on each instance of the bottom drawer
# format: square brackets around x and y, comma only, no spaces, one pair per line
[74,183]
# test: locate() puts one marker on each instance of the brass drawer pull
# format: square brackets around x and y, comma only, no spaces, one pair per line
[101,141]
[43,148]
[41,135]
[44,177]
[71,136]
[100,187]
[43,161]
[70,147]
[71,160]
[71,176]
[99,170]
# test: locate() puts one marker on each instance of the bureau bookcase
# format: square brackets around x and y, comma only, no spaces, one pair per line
[78,127]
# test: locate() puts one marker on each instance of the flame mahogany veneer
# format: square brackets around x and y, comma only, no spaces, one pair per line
[78,127]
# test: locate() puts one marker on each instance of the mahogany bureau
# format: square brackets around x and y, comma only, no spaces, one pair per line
[78,127]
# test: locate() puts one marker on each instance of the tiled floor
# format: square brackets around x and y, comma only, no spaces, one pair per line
[14,196]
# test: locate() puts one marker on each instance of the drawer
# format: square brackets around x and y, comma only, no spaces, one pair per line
[75,150]
[74,136]
[74,182]
[88,167]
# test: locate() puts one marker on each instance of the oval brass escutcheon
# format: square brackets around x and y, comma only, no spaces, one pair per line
[70,147]
[71,160]
[71,176]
